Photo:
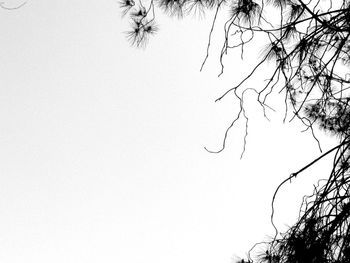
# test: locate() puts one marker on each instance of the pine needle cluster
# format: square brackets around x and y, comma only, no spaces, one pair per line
[308,43]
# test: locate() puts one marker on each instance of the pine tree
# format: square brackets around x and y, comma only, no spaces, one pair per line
[308,42]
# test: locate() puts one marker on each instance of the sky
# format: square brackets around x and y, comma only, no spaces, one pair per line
[102,145]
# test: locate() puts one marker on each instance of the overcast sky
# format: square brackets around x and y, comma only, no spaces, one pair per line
[102,145]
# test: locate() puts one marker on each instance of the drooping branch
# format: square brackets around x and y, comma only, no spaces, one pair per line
[308,51]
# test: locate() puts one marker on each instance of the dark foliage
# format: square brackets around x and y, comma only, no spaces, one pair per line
[308,42]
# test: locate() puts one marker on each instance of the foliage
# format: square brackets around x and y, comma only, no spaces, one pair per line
[308,42]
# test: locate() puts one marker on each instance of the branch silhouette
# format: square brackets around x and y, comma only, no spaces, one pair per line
[308,52]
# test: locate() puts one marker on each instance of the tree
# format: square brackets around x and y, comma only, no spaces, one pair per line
[308,41]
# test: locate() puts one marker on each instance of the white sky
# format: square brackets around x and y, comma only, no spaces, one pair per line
[101,144]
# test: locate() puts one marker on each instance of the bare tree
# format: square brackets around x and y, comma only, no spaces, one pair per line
[308,41]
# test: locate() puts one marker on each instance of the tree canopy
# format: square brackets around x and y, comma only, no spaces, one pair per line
[308,43]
